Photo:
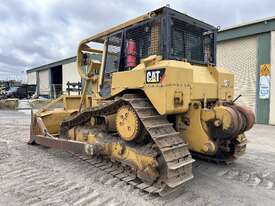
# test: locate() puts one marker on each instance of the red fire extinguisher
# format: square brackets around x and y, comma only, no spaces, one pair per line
[131,53]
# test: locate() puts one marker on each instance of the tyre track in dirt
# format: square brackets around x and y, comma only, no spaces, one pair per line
[253,178]
[35,175]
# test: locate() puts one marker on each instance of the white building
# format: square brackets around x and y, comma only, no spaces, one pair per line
[248,50]
[52,78]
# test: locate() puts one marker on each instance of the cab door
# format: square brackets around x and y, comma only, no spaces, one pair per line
[113,61]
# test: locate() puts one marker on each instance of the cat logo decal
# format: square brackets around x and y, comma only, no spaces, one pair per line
[155,76]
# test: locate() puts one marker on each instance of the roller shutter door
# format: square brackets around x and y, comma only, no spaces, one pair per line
[70,74]
[240,57]
[31,78]
[44,82]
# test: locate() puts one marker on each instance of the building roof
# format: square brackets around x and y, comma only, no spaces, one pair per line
[248,23]
[60,62]
[247,29]
[53,64]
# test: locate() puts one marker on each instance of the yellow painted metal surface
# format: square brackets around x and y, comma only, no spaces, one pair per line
[193,82]
[127,123]
[191,94]
[117,150]
[224,116]
[194,134]
[139,160]
[53,117]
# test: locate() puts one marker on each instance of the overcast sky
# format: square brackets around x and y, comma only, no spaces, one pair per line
[35,32]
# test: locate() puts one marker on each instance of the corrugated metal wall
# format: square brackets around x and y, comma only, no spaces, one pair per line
[240,57]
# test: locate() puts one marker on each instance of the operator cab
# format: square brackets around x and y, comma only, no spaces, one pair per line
[164,32]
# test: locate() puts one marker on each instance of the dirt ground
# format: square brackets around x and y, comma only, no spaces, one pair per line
[34,175]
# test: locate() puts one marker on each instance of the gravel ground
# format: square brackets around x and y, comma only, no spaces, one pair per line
[34,175]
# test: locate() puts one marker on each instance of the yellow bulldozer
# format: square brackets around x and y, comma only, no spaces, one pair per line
[154,102]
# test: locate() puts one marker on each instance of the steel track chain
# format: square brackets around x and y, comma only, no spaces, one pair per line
[175,152]
[118,171]
[176,158]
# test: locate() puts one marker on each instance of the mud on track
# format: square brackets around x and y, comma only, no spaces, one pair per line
[34,175]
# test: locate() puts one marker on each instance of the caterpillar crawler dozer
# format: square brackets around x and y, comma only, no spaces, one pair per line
[154,99]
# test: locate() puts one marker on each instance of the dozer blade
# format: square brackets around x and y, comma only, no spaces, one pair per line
[62,144]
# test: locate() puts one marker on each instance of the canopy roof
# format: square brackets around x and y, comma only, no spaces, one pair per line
[100,37]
